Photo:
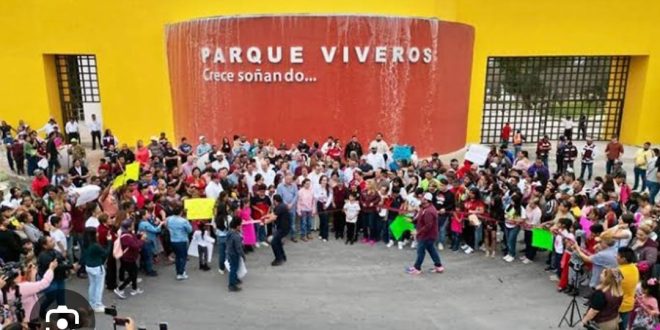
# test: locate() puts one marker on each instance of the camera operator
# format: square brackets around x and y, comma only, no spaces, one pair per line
[10,249]
[29,287]
[55,291]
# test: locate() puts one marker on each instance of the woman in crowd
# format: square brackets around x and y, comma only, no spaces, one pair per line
[605,301]
[95,257]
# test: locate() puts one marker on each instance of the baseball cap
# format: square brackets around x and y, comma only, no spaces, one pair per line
[201,137]
[428,196]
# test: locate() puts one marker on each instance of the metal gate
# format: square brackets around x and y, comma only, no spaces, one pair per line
[536,94]
[77,80]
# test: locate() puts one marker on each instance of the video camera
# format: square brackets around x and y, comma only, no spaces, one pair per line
[10,270]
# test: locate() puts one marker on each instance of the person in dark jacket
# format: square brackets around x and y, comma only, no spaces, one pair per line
[131,244]
[234,253]
[56,291]
[10,246]
[353,146]
[427,234]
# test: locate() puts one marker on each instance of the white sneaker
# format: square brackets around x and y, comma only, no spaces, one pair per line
[464,247]
[441,247]
[522,258]
[325,240]
[265,244]
[509,259]
[178,278]
[413,245]
[119,293]
[222,272]
[99,309]
[139,280]
[400,245]
[482,248]
[527,261]
[469,250]
[390,244]
[554,278]
[257,245]
[185,275]
[136,292]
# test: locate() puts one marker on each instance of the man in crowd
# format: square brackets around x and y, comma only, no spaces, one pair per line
[613,150]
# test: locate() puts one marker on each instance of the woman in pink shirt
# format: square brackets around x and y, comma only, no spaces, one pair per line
[306,209]
[30,288]
[142,154]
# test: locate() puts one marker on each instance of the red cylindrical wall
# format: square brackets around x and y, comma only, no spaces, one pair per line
[381,86]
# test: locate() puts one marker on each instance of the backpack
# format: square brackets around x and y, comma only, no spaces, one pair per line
[117,250]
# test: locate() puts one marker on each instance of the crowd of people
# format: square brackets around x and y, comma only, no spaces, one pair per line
[604,230]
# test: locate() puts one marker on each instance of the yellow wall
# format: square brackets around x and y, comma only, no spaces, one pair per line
[568,27]
[128,39]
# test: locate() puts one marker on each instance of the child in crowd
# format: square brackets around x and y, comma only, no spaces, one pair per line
[456,227]
[234,253]
[646,306]
[201,245]
[352,210]
[562,233]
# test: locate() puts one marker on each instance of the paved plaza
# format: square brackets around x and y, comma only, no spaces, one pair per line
[334,286]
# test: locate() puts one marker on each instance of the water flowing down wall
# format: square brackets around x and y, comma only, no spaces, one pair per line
[288,77]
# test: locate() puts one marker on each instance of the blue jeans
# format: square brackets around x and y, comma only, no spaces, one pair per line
[442,228]
[261,232]
[424,246]
[511,240]
[373,222]
[624,320]
[53,293]
[640,175]
[654,188]
[385,230]
[233,270]
[96,276]
[589,167]
[305,223]
[478,235]
[148,256]
[292,221]
[455,241]
[181,254]
[222,243]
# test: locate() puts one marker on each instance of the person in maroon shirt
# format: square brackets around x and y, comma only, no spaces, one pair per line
[339,196]
[426,235]
[613,150]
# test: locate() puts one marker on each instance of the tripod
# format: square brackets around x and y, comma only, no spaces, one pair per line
[573,306]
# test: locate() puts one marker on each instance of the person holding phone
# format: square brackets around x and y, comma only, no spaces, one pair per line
[95,256]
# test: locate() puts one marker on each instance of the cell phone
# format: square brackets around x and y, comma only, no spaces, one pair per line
[120,321]
[162,325]
[112,311]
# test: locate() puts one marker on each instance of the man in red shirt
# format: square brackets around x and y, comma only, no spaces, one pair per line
[39,182]
[505,134]
[614,150]
[426,235]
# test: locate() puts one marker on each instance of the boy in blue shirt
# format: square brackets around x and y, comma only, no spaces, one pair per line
[234,253]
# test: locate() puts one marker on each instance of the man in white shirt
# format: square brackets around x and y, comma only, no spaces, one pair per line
[266,170]
[568,124]
[315,177]
[213,188]
[327,145]
[375,158]
[49,127]
[380,144]
[71,130]
[348,172]
[95,128]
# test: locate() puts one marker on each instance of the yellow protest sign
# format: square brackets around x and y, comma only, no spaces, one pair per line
[132,172]
[199,208]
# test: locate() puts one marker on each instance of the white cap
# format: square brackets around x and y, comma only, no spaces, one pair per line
[428,196]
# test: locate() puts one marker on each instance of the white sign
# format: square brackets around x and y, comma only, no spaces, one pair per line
[87,194]
[477,154]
